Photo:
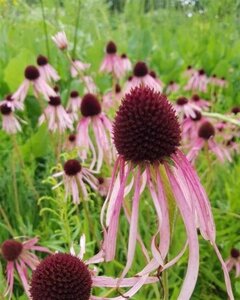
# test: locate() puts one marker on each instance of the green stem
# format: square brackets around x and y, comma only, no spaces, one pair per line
[165,285]
[76,29]
[45,29]
[221,117]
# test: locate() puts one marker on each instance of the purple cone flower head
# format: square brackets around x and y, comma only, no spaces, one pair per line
[10,123]
[147,136]
[234,261]
[46,70]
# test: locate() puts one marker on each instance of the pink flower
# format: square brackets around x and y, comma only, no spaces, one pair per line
[78,67]
[70,143]
[190,71]
[56,116]
[112,99]
[19,258]
[33,78]
[147,136]
[74,103]
[60,40]
[198,81]
[191,125]
[10,124]
[101,125]
[90,86]
[141,77]
[185,108]
[127,65]
[112,63]
[103,186]
[72,278]
[155,77]
[205,138]
[47,72]
[75,177]
[172,87]
[12,103]
[234,261]
[203,104]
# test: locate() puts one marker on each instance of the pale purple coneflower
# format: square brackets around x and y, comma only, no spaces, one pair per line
[73,105]
[214,80]
[60,40]
[77,67]
[56,116]
[10,123]
[197,100]
[46,70]
[11,102]
[206,140]
[89,85]
[19,258]
[126,63]
[71,142]
[234,261]
[65,276]
[141,77]
[103,185]
[34,79]
[197,82]
[154,75]
[147,136]
[235,110]
[172,87]
[190,126]
[112,98]
[222,82]
[102,127]
[185,108]
[75,177]
[189,71]
[112,63]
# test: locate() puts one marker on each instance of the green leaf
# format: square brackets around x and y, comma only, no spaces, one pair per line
[14,71]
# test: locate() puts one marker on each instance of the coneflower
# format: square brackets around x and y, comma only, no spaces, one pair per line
[185,108]
[75,177]
[10,123]
[56,116]
[12,103]
[112,63]
[19,257]
[198,81]
[141,76]
[46,70]
[33,78]
[92,115]
[205,138]
[147,136]
[234,261]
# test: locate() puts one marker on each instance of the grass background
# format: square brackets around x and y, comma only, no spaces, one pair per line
[169,37]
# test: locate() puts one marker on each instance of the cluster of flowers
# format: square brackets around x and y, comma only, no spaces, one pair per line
[143,148]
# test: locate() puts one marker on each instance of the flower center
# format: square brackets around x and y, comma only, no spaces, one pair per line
[5,109]
[235,253]
[124,55]
[117,88]
[72,138]
[198,116]
[146,127]
[100,180]
[90,106]
[201,72]
[9,98]
[140,69]
[182,101]
[111,48]
[236,110]
[72,167]
[153,74]
[11,249]
[42,60]
[195,98]
[61,277]
[74,94]
[31,73]
[54,101]
[206,130]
